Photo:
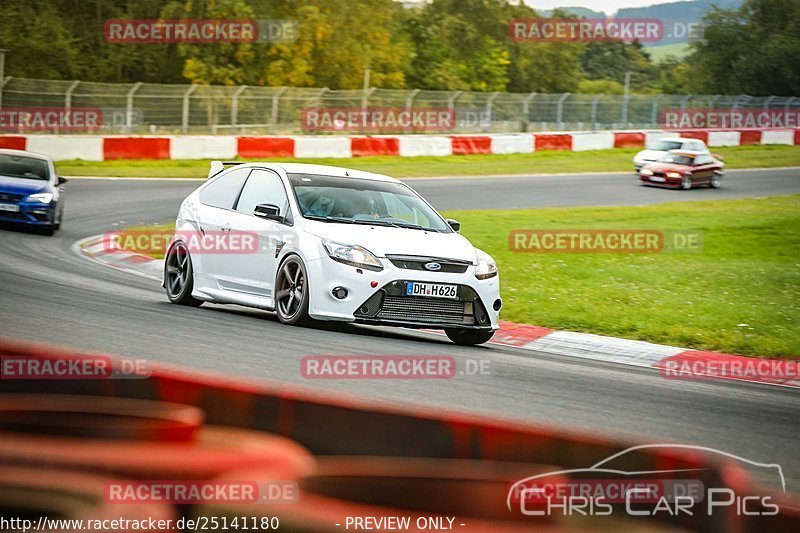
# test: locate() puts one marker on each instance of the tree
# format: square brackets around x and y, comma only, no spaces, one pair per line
[751,50]
[612,60]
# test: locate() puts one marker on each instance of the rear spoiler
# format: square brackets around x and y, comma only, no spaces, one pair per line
[219,166]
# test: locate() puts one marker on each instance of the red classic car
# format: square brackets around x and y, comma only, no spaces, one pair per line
[683,170]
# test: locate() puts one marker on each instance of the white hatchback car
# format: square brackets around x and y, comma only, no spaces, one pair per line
[332,244]
[660,148]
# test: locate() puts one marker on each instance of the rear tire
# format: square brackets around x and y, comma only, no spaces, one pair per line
[291,292]
[178,276]
[468,337]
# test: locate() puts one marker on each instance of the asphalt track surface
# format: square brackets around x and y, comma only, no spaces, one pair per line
[50,294]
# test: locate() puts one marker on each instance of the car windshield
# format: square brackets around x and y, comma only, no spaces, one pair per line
[666,146]
[17,166]
[361,201]
[677,159]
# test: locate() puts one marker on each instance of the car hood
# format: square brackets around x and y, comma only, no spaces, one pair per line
[21,185]
[648,155]
[382,240]
[667,167]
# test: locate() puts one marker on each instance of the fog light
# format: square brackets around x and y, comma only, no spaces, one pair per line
[497,304]
[339,292]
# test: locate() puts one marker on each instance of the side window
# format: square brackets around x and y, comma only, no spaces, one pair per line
[222,192]
[263,187]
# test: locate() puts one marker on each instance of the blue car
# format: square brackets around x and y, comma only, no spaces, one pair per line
[30,191]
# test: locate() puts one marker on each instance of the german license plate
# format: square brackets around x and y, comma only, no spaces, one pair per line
[659,179]
[9,207]
[432,290]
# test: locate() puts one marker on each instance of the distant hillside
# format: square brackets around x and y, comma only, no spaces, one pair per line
[677,16]
[583,12]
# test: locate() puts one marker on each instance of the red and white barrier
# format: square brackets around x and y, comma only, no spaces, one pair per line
[593,141]
[61,147]
[416,145]
[203,147]
[99,148]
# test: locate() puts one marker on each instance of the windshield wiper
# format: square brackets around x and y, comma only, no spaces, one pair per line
[323,218]
[370,222]
[378,222]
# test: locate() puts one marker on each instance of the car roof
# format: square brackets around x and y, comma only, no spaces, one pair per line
[322,170]
[679,139]
[25,153]
[690,153]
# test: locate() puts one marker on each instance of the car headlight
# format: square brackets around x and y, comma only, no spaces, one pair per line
[646,172]
[674,175]
[43,197]
[353,255]
[486,267]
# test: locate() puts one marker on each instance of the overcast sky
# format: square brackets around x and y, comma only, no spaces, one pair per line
[607,6]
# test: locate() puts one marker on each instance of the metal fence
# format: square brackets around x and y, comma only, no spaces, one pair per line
[203,109]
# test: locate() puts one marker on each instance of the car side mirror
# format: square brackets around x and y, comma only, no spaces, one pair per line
[455,224]
[268,211]
[61,181]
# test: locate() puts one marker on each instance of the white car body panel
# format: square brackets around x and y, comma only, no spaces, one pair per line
[648,155]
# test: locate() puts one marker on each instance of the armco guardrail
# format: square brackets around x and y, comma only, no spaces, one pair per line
[371,461]
[99,148]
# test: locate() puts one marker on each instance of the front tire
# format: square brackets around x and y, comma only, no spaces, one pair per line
[686,183]
[291,292]
[716,180]
[468,337]
[178,276]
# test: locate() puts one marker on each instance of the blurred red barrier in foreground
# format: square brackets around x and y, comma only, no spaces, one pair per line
[368,461]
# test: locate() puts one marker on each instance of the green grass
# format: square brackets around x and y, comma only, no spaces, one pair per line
[540,162]
[660,53]
[748,272]
[740,294]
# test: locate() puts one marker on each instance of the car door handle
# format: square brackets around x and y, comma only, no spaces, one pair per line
[226,228]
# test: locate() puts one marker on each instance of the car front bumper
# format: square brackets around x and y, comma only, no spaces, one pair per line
[35,214]
[661,181]
[476,307]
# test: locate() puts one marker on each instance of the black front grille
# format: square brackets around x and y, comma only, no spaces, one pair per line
[426,310]
[8,197]
[451,266]
[13,215]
